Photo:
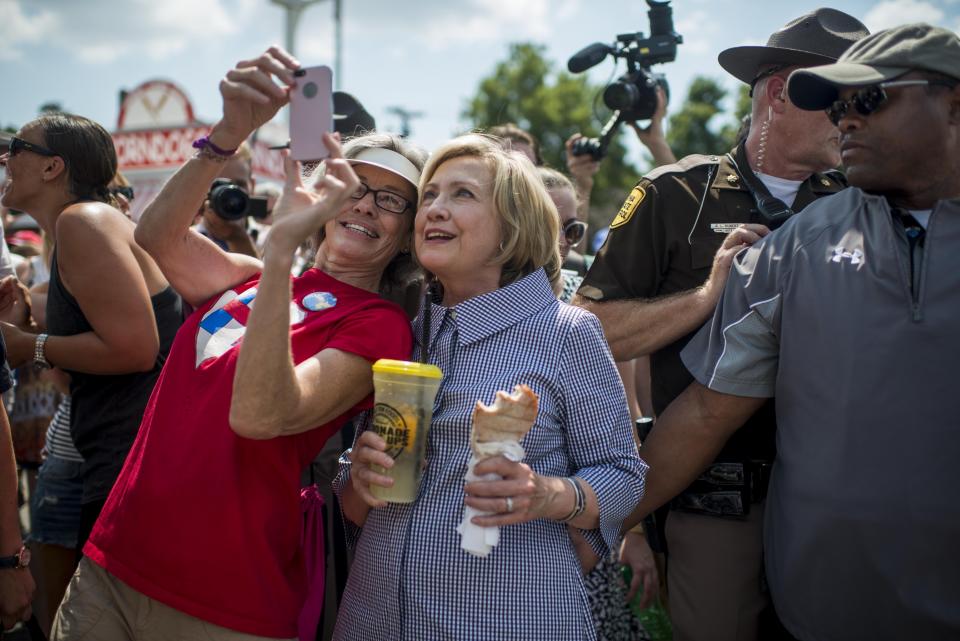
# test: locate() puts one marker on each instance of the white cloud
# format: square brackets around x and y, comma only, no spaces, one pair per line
[314,50]
[17,28]
[891,13]
[491,20]
[567,9]
[161,48]
[99,53]
[189,18]
[698,31]
[136,27]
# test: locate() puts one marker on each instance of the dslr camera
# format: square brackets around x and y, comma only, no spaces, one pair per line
[232,202]
[632,96]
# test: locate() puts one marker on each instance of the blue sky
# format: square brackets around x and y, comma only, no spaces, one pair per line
[424,55]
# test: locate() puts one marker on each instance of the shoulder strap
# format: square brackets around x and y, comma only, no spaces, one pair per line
[681,166]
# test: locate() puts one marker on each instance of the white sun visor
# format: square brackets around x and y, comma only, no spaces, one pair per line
[389,160]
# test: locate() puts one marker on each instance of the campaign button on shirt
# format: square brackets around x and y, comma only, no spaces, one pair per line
[317,301]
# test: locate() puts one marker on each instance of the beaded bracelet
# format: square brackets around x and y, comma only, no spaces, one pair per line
[580,501]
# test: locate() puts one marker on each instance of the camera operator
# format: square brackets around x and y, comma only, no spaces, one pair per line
[584,166]
[659,277]
[230,234]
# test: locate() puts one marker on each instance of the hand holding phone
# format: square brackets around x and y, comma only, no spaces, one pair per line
[311,112]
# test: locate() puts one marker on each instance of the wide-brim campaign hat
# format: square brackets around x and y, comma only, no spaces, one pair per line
[817,38]
[883,56]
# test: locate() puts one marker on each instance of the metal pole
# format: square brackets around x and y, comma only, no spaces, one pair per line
[293,17]
[294,9]
[338,45]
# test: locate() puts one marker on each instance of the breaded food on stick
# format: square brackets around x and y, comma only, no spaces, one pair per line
[509,418]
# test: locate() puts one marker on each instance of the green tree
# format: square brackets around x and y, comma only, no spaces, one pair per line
[694,128]
[552,105]
[743,103]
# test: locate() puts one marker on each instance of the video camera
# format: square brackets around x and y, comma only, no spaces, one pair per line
[632,96]
[232,202]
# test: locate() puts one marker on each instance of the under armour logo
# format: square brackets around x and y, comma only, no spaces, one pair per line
[839,253]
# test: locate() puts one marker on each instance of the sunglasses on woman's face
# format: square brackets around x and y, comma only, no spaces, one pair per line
[574,230]
[19,144]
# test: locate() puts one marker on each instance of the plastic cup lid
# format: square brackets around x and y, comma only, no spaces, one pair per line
[406,368]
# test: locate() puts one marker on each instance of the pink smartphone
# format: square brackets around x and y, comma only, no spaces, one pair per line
[311,112]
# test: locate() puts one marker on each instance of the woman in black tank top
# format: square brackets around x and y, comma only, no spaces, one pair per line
[111,316]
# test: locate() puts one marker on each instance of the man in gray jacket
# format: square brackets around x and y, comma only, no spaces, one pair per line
[849,315]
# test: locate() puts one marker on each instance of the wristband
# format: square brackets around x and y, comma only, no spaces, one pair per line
[206,149]
[40,352]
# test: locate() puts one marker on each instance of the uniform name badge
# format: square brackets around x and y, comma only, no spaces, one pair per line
[723,228]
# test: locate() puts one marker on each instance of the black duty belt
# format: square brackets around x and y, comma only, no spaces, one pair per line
[726,489]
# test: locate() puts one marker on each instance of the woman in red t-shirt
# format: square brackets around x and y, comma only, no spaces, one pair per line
[202,530]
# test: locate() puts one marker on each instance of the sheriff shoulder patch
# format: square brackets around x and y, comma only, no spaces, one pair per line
[629,207]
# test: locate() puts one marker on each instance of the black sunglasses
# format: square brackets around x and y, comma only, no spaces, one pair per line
[574,230]
[125,191]
[19,144]
[869,99]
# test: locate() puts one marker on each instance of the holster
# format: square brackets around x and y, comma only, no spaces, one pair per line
[726,489]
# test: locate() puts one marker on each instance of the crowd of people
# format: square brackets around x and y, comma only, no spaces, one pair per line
[785,312]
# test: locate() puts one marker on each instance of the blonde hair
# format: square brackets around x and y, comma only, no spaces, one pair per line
[553,179]
[529,223]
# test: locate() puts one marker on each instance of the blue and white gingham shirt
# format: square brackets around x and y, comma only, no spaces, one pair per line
[410,579]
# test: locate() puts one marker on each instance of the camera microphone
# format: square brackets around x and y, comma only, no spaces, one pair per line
[588,57]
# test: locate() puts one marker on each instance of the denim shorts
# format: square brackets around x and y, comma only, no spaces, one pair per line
[55,504]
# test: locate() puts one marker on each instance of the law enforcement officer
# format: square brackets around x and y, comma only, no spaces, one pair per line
[659,277]
[848,316]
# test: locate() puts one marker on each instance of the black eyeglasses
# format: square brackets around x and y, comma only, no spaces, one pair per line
[19,144]
[574,231]
[869,99]
[385,200]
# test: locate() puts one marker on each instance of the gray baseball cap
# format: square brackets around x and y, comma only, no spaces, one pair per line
[880,57]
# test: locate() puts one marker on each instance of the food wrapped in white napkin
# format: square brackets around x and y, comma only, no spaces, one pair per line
[497,429]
